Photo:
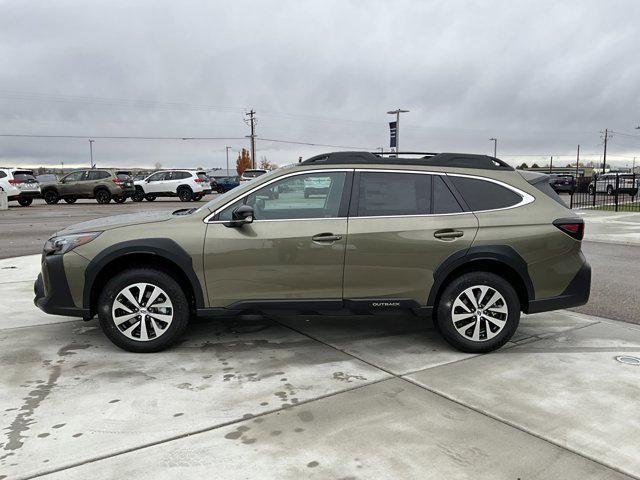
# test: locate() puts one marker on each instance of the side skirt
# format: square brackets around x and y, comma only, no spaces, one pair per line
[365,306]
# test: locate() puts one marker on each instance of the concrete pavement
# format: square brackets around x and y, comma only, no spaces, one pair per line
[315,397]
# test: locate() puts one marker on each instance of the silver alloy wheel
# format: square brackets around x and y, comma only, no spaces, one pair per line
[479,313]
[142,311]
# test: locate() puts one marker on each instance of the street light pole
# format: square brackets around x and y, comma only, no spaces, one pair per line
[91,152]
[495,146]
[227,149]
[397,113]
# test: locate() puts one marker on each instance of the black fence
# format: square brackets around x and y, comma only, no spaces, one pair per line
[606,191]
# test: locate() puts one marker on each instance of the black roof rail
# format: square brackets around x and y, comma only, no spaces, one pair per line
[458,160]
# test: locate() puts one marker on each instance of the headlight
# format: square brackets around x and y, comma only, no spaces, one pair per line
[65,243]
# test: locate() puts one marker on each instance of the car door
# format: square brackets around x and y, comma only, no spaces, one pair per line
[91,180]
[402,226]
[293,250]
[69,184]
[154,183]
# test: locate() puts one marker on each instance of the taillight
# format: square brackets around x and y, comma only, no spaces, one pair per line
[14,182]
[574,227]
[198,180]
[117,180]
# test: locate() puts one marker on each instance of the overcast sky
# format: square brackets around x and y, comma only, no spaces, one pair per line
[540,76]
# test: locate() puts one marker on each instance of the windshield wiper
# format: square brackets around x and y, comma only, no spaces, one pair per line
[184,211]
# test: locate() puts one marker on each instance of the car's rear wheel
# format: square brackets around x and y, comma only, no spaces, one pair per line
[150,198]
[51,197]
[185,194]
[198,197]
[70,199]
[138,195]
[26,201]
[103,197]
[121,199]
[143,310]
[478,312]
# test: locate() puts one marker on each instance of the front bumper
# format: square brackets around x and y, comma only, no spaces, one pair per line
[52,294]
[576,294]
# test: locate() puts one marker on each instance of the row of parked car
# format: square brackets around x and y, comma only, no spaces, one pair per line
[105,185]
[609,183]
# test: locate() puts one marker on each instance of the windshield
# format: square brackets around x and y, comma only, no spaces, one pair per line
[232,193]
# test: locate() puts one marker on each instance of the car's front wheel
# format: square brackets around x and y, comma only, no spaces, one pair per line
[150,198]
[120,199]
[70,200]
[478,312]
[143,310]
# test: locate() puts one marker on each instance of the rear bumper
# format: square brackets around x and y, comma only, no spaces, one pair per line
[576,294]
[52,294]
[19,195]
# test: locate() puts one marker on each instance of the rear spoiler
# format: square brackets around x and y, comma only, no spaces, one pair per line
[541,182]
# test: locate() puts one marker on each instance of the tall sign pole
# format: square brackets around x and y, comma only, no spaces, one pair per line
[397,113]
[91,152]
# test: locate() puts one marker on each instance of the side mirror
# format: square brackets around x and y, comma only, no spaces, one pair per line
[241,216]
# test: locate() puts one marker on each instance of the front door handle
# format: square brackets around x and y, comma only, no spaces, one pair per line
[326,238]
[448,234]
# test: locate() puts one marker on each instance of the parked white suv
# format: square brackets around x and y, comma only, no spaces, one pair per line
[20,185]
[187,185]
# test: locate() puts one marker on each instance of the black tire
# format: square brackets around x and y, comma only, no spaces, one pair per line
[444,311]
[197,198]
[176,295]
[25,201]
[609,190]
[149,198]
[138,195]
[103,196]
[185,194]
[120,199]
[70,200]
[51,197]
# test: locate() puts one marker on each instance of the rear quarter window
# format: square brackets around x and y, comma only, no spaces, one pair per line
[484,195]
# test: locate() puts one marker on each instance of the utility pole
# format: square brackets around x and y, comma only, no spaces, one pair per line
[397,113]
[91,152]
[495,146]
[551,164]
[604,158]
[251,121]
[577,163]
[227,149]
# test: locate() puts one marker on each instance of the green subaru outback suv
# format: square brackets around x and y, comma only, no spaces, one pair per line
[464,239]
[102,184]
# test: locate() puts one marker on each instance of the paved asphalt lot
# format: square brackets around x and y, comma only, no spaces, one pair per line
[319,397]
[314,397]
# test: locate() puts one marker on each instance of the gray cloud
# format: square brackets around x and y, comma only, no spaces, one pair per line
[541,76]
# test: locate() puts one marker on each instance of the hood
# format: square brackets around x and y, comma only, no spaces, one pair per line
[109,223]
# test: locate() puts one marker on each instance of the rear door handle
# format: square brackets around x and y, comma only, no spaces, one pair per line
[326,238]
[448,234]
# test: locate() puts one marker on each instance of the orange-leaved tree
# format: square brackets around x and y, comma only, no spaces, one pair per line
[243,162]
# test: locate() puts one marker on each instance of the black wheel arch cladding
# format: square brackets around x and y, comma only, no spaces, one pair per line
[162,247]
[503,254]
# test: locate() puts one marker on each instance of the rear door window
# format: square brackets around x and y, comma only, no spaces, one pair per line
[443,200]
[393,194]
[97,175]
[180,175]
[484,195]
